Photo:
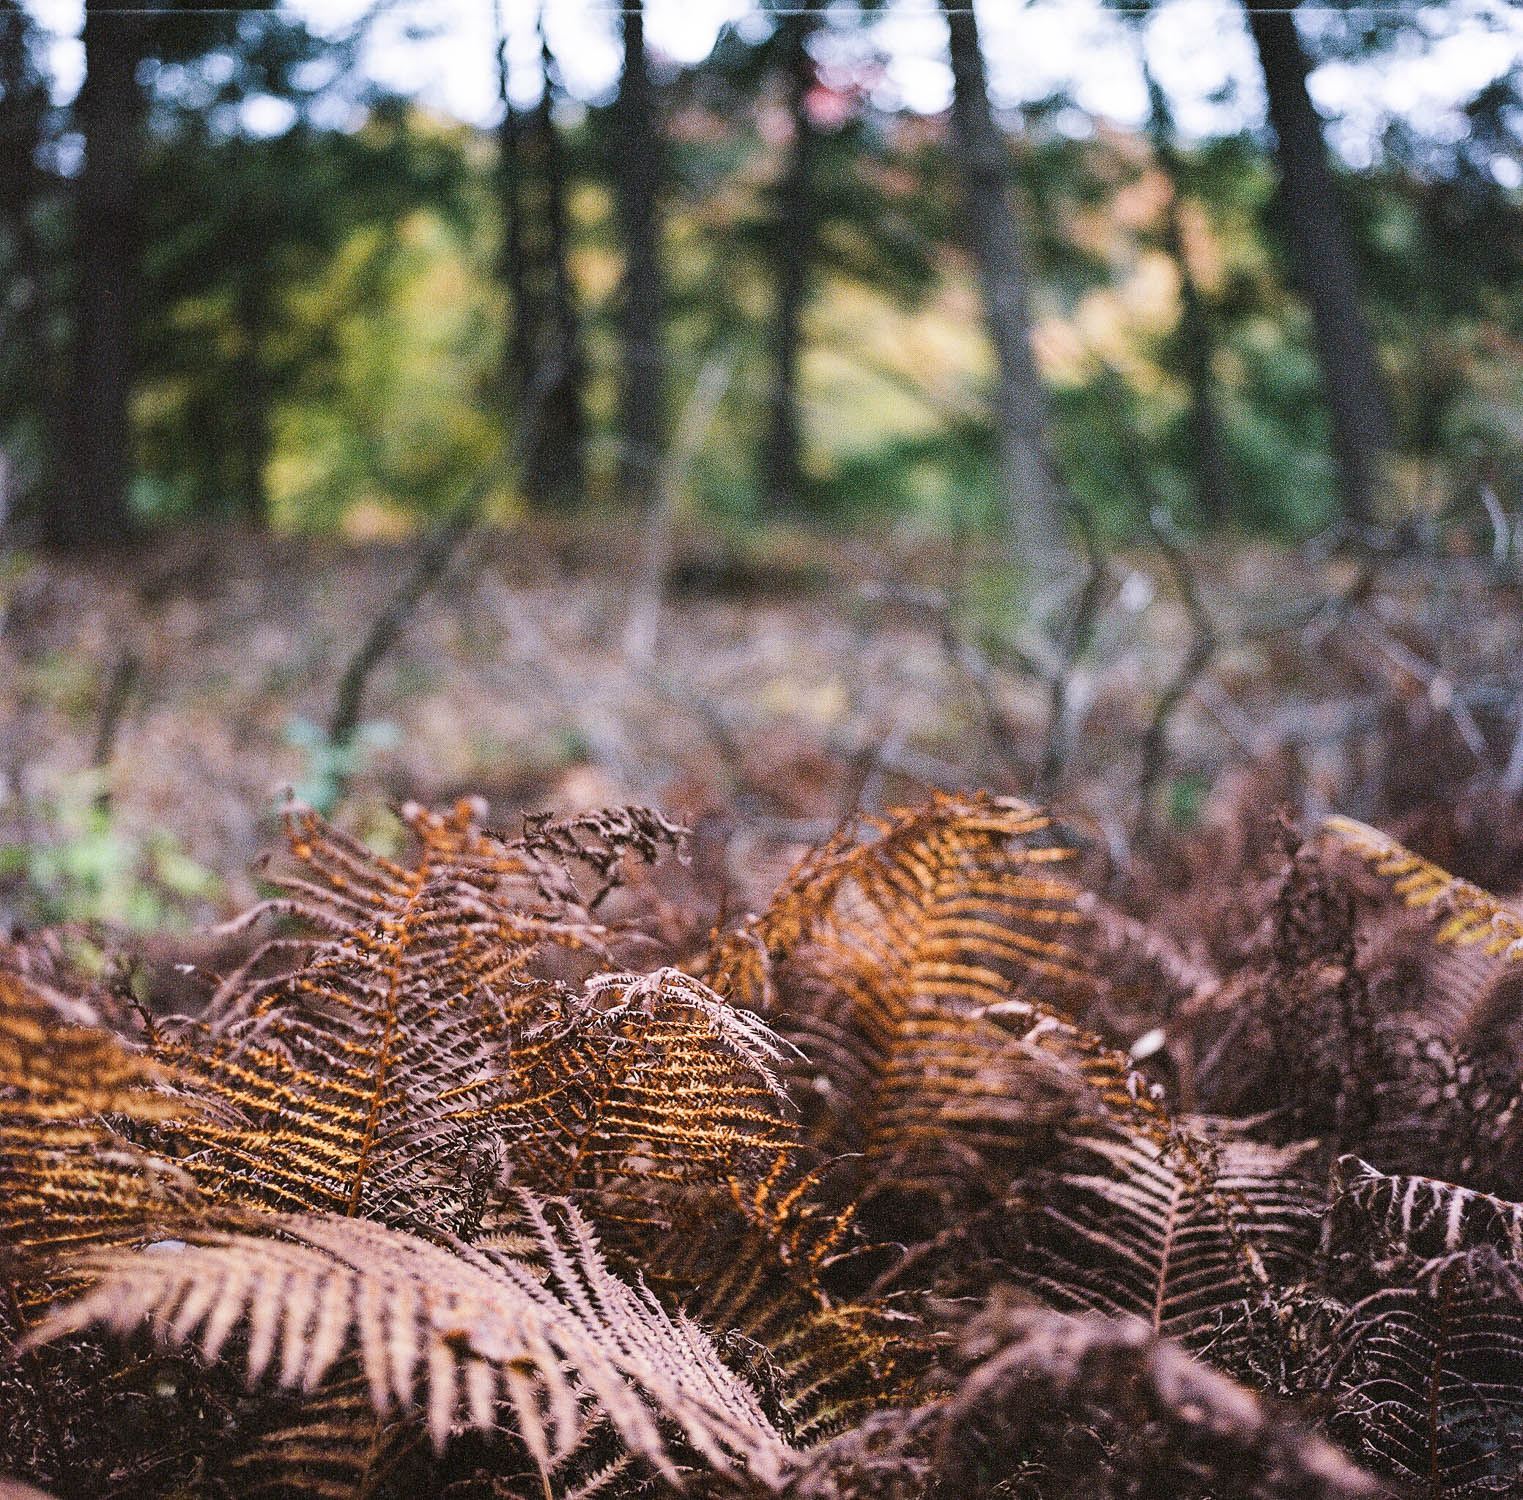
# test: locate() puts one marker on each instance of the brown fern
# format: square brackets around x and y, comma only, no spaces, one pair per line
[1427,1362]
[913,960]
[442,1209]
[1069,1406]
[460,1334]
[1200,1245]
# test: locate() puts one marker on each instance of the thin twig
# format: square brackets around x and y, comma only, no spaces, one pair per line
[1203,645]
[697,417]
[1071,646]
[113,708]
[433,562]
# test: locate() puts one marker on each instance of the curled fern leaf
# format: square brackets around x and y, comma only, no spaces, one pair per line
[1094,1406]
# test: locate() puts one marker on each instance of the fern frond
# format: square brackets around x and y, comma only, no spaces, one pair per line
[1427,1364]
[327,1444]
[1428,1375]
[753,1273]
[1478,934]
[53,1067]
[464,1335]
[653,1089]
[413,1032]
[1421,1216]
[911,969]
[1468,914]
[1187,1247]
[1104,1407]
[68,1176]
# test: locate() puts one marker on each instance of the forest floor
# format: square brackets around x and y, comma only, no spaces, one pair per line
[156,708]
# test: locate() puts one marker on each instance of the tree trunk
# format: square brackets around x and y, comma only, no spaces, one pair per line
[793,237]
[1031,496]
[1194,335]
[563,431]
[28,383]
[637,183]
[91,508]
[544,365]
[1324,261]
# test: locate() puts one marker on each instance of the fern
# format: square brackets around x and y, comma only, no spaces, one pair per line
[458,1333]
[1091,1406]
[413,1038]
[1192,1244]
[1421,1216]
[1428,1359]
[1483,933]
[914,969]
[423,1202]
[69,1176]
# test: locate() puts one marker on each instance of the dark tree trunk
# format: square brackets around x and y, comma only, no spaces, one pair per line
[544,365]
[1031,496]
[518,349]
[28,375]
[637,171]
[1195,336]
[91,507]
[793,238]
[1324,261]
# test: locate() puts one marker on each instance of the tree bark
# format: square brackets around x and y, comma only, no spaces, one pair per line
[91,508]
[1324,262]
[544,364]
[793,239]
[637,183]
[29,384]
[1031,496]
[1194,335]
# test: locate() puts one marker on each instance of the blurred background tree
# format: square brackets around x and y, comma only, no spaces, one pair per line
[246,280]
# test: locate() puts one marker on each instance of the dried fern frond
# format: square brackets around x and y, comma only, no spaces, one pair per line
[1191,1248]
[68,1176]
[53,1067]
[1068,1407]
[1427,1363]
[1468,914]
[602,839]
[906,967]
[1479,935]
[755,1273]
[413,1034]
[653,1089]
[1421,1216]
[66,1186]
[970,869]
[1428,1376]
[333,883]
[325,1444]
[465,1336]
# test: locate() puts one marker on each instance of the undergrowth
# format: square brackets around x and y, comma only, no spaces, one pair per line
[474,1172]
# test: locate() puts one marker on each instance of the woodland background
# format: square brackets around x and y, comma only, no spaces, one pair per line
[794,424]
[737,437]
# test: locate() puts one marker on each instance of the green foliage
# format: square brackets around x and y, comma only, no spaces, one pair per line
[332,764]
[84,867]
